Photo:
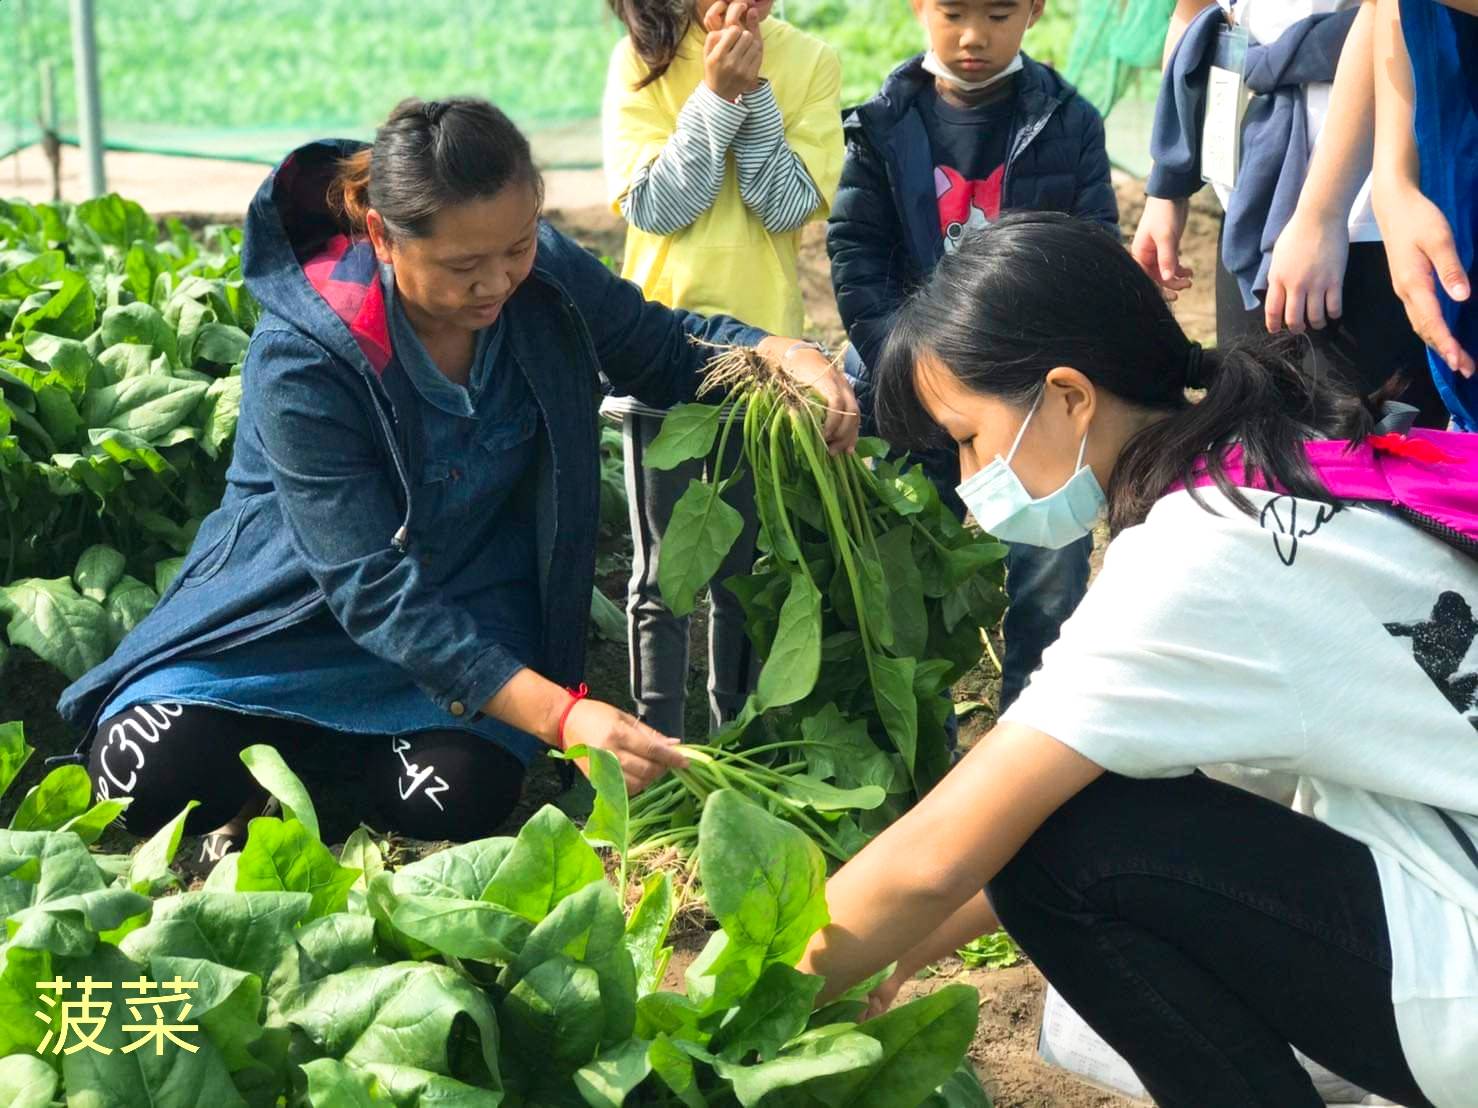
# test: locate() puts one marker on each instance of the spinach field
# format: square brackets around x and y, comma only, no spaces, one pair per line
[282,71]
[507,971]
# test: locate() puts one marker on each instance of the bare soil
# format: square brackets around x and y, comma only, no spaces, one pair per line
[1004,1049]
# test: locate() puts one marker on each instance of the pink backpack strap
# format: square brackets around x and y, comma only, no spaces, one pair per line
[1433,477]
[1350,473]
[1430,477]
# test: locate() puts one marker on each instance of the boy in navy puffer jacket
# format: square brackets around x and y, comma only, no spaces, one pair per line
[957,135]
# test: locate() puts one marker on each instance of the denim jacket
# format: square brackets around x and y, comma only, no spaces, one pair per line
[319,510]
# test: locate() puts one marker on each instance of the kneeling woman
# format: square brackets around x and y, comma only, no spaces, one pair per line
[1199,928]
[399,576]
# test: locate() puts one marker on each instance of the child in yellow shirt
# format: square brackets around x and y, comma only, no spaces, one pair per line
[722,139]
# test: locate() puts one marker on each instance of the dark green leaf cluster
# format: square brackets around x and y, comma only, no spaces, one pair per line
[867,605]
[506,971]
[120,358]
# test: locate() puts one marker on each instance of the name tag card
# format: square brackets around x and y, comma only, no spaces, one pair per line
[1226,103]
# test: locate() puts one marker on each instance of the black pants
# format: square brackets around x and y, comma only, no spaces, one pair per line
[1200,930]
[659,639]
[1370,343]
[429,785]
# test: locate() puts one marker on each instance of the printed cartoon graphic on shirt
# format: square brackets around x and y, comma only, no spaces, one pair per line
[1440,646]
[966,205]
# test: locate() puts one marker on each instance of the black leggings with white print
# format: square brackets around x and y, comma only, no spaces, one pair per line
[429,785]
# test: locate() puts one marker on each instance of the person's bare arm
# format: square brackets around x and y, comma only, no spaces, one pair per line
[1180,19]
[1396,161]
[970,922]
[1156,245]
[1306,279]
[922,870]
[1418,239]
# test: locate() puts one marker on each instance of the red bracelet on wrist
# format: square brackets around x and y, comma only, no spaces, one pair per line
[576,695]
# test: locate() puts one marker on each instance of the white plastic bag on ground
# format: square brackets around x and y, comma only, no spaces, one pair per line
[1068,1042]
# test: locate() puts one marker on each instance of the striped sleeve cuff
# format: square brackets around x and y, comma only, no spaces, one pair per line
[684,180]
[724,118]
[772,178]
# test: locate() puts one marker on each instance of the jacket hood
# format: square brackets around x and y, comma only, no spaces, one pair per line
[1039,88]
[303,266]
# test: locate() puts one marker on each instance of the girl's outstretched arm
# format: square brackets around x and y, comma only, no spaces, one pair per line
[922,870]
[973,919]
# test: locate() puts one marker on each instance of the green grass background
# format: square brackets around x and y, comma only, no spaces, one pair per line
[253,77]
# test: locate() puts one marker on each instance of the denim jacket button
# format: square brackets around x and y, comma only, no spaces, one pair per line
[457,708]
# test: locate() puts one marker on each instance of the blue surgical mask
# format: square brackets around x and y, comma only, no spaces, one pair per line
[1002,506]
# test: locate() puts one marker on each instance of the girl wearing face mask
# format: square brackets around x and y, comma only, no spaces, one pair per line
[1200,929]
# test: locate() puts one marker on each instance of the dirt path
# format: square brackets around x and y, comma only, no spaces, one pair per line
[1005,1046]
[207,186]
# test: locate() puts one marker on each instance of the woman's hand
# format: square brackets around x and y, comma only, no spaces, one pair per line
[843,419]
[643,753]
[810,368]
[1419,245]
[1307,278]
[535,704]
[1157,244]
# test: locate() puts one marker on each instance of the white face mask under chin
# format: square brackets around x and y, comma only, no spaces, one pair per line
[934,66]
[1004,508]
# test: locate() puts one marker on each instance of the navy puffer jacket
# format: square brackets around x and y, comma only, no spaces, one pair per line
[884,236]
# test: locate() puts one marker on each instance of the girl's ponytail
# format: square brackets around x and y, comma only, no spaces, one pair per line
[1259,397]
[657,29]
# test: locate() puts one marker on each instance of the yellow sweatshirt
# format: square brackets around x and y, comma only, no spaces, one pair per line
[726,260]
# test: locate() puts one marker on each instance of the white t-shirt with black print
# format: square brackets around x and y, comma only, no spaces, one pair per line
[1338,647]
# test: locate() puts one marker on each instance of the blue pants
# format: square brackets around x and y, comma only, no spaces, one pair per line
[1045,586]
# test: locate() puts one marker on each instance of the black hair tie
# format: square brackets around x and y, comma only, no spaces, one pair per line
[1195,364]
[434,110]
